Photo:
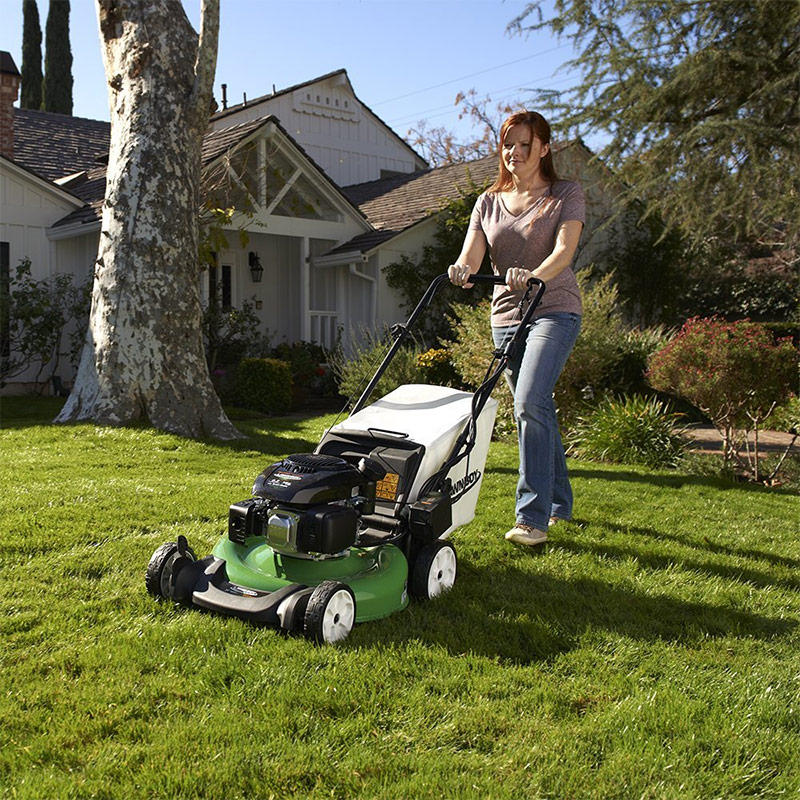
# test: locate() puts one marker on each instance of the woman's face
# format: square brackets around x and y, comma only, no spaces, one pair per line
[522,151]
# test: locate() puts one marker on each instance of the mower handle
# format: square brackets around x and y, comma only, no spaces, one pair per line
[421,306]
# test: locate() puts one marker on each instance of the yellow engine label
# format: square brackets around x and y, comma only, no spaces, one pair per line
[387,488]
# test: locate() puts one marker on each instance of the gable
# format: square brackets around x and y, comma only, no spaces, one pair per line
[265,174]
[342,135]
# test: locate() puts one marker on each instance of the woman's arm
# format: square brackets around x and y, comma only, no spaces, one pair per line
[567,238]
[470,259]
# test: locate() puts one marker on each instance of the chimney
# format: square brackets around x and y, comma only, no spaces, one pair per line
[9,91]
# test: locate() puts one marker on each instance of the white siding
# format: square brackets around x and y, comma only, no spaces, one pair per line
[347,141]
[27,209]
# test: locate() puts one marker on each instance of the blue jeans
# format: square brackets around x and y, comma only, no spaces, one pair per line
[543,490]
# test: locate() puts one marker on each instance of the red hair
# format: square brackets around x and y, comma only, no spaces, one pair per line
[540,128]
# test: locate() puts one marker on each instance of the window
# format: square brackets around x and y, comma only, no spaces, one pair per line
[219,286]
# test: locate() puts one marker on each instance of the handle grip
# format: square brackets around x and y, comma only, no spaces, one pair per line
[497,280]
[492,279]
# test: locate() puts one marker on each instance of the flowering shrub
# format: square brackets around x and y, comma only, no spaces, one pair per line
[733,371]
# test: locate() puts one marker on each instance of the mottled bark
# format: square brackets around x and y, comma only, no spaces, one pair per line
[143,357]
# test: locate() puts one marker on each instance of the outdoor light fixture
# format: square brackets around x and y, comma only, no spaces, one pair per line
[256,270]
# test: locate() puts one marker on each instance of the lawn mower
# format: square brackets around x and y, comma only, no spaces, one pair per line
[345,534]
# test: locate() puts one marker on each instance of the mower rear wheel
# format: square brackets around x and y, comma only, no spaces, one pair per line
[434,570]
[158,577]
[331,613]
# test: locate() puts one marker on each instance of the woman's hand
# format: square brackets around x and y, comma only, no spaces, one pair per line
[459,275]
[517,278]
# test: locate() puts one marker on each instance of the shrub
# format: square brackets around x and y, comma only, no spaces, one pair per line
[594,367]
[436,367]
[633,430]
[471,353]
[264,384]
[231,334]
[733,371]
[354,372]
[607,356]
[34,313]
[786,416]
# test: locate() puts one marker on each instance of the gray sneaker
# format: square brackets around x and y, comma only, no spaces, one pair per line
[525,534]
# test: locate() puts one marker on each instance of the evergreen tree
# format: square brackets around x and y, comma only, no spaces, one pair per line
[702,103]
[31,94]
[58,60]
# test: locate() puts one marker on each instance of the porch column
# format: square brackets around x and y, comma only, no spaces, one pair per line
[305,290]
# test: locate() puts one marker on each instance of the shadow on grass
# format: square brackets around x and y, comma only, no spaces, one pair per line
[707,545]
[706,566]
[270,435]
[676,481]
[513,616]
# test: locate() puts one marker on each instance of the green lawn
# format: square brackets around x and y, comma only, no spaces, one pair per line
[652,650]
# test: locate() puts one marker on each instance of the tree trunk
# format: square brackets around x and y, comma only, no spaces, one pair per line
[143,357]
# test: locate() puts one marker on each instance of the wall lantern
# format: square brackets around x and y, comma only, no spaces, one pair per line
[256,270]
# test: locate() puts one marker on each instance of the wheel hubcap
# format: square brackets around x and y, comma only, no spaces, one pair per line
[442,575]
[339,617]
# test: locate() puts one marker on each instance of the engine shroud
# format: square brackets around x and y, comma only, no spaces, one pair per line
[307,505]
[307,479]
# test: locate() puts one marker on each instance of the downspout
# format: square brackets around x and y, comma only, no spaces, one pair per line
[372,293]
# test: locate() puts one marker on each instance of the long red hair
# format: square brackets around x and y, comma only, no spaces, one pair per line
[540,128]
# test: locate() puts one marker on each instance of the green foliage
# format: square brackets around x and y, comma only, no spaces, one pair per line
[31,86]
[786,416]
[231,334]
[411,278]
[471,353]
[591,368]
[37,312]
[57,89]
[732,371]
[632,430]
[304,359]
[353,373]
[738,282]
[659,659]
[607,358]
[264,384]
[436,367]
[650,266]
[700,101]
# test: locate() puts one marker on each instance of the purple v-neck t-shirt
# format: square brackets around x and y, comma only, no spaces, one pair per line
[525,241]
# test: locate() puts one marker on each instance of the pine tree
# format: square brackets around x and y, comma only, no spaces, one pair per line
[31,94]
[58,60]
[701,102]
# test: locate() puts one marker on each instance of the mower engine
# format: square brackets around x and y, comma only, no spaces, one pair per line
[308,505]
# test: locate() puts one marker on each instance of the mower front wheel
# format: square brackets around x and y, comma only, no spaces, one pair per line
[331,613]
[434,570]
[158,577]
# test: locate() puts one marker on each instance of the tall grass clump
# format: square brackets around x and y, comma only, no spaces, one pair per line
[630,430]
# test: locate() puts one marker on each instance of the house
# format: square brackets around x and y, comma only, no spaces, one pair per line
[326,193]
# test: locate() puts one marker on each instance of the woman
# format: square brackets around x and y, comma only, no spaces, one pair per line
[532,222]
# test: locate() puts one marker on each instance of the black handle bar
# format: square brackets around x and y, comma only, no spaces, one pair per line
[422,305]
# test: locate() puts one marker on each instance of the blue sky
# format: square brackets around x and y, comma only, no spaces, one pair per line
[406,59]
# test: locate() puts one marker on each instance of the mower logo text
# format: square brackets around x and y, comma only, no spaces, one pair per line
[463,485]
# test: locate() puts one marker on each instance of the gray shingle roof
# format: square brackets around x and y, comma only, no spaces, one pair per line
[394,204]
[56,145]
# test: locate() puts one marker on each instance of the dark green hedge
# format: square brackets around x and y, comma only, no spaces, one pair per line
[264,384]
